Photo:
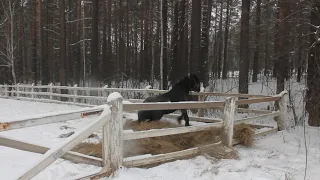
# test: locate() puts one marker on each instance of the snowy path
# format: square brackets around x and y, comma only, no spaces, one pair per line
[277,156]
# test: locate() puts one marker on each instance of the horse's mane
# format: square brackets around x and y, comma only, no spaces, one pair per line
[182,84]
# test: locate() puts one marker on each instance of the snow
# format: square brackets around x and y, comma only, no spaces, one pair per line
[113,96]
[15,161]
[281,155]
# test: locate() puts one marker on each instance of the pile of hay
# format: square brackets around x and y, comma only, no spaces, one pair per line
[244,134]
[172,143]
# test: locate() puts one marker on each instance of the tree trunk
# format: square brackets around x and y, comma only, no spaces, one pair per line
[94,78]
[313,98]
[284,50]
[244,48]
[62,43]
[257,44]
[226,33]
[220,42]
[164,44]
[206,20]
[174,43]
[34,66]
[266,59]
[196,38]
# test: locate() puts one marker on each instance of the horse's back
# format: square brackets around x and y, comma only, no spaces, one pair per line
[152,114]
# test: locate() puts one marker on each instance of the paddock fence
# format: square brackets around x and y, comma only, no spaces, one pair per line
[112,123]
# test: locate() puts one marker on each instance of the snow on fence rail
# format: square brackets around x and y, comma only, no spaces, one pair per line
[114,135]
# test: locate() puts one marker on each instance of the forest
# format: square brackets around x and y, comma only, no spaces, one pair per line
[105,42]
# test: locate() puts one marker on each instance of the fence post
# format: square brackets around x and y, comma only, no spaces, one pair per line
[18,89]
[201,98]
[112,143]
[32,90]
[51,90]
[281,105]
[228,119]
[75,92]
[6,90]
[201,111]
[104,92]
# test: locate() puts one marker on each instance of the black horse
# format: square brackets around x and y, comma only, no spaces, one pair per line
[179,92]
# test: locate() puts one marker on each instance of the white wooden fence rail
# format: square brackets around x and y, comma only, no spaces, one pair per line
[55,153]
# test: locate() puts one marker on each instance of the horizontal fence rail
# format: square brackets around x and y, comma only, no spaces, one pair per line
[55,153]
[102,89]
[49,118]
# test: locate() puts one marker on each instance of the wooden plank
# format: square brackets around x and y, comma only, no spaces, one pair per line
[228,94]
[128,135]
[71,156]
[48,118]
[135,100]
[228,119]
[47,101]
[196,118]
[29,86]
[78,96]
[257,100]
[160,158]
[53,154]
[171,105]
[34,93]
[247,120]
[245,110]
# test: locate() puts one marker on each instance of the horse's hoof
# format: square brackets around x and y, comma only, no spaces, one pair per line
[187,125]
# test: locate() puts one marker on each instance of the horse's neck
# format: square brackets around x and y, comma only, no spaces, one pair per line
[178,89]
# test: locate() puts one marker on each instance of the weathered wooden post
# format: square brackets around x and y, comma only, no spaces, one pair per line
[75,93]
[32,90]
[228,119]
[281,105]
[51,90]
[6,90]
[201,98]
[112,143]
[18,89]
[104,91]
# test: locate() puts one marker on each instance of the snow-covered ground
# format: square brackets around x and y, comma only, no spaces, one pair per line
[277,156]
[14,162]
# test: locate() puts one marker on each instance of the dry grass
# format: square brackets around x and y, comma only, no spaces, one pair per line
[244,133]
[172,143]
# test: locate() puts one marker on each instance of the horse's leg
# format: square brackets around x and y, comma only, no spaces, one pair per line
[180,118]
[186,117]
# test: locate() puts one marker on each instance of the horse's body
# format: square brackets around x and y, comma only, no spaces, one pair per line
[179,92]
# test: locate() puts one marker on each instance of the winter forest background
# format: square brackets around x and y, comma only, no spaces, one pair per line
[99,42]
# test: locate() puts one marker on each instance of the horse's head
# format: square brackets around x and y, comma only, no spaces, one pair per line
[194,83]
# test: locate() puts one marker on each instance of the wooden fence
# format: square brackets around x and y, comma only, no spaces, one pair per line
[114,135]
